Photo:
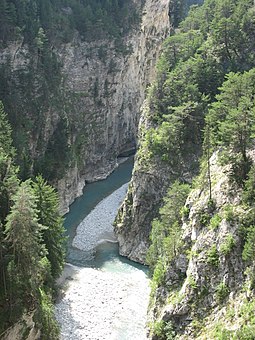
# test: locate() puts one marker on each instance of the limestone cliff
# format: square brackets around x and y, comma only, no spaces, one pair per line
[150,180]
[208,291]
[87,113]
[153,171]
[111,118]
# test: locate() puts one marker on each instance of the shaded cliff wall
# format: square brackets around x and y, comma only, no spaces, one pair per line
[79,109]
[150,180]
[111,116]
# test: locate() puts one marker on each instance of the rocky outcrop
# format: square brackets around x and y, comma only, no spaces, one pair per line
[118,83]
[95,106]
[150,180]
[209,277]
[25,329]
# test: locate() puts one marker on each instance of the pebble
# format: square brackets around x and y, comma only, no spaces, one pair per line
[102,304]
[100,221]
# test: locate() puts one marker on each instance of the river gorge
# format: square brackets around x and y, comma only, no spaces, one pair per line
[104,296]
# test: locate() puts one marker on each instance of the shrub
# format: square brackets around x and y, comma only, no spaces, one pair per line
[158,328]
[192,282]
[185,212]
[249,251]
[204,218]
[215,221]
[228,245]
[222,291]
[213,256]
[229,214]
[163,330]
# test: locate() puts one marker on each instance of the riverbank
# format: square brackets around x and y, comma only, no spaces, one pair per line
[105,305]
[98,225]
[107,299]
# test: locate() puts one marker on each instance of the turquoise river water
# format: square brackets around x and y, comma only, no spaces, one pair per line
[105,295]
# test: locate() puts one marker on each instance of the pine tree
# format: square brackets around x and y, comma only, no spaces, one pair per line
[24,241]
[53,234]
[232,120]
[5,133]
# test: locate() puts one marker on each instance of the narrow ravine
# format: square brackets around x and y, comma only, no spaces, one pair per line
[105,296]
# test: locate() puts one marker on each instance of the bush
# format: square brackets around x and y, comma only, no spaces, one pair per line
[249,188]
[222,291]
[215,221]
[249,251]
[204,218]
[213,256]
[163,330]
[229,214]
[45,319]
[228,245]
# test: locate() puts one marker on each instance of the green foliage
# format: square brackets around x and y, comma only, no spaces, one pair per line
[185,212]
[31,242]
[247,330]
[229,213]
[212,41]
[232,120]
[247,219]
[213,256]
[221,333]
[158,329]
[204,218]
[34,253]
[45,319]
[246,323]
[53,233]
[228,245]
[163,330]
[222,291]
[192,282]
[5,133]
[93,19]
[248,196]
[165,234]
[215,221]
[248,250]
[24,241]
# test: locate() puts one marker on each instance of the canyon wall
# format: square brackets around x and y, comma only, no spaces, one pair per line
[89,116]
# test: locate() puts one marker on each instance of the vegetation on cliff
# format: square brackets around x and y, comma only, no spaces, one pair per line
[31,243]
[33,87]
[204,98]
[58,19]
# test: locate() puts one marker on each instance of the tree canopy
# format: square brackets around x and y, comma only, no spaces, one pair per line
[32,248]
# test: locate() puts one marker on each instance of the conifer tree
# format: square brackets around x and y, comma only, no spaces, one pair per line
[24,241]
[53,233]
[232,119]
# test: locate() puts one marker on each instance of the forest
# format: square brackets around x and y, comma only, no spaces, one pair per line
[58,19]
[32,243]
[32,236]
[201,102]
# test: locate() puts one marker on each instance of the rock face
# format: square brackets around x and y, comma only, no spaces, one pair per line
[150,180]
[208,280]
[95,110]
[111,117]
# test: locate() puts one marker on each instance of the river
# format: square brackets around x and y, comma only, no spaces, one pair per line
[105,296]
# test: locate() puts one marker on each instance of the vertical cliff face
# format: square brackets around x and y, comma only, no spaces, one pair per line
[88,111]
[162,156]
[150,180]
[108,89]
[208,289]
